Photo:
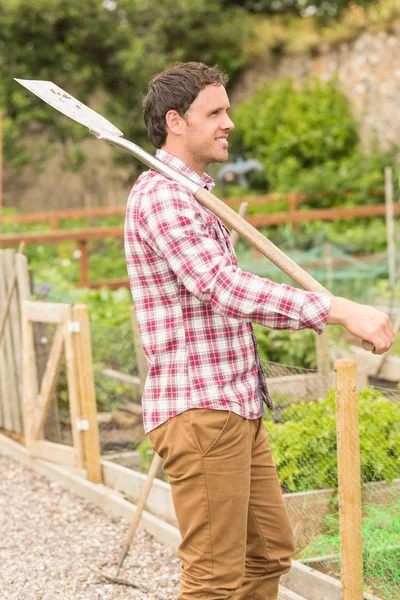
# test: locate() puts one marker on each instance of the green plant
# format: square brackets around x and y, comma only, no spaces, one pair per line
[304,442]
[295,348]
[295,129]
[146,452]
[99,51]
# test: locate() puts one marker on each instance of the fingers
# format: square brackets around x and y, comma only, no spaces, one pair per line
[382,341]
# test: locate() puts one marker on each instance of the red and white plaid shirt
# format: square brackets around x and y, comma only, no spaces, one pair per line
[195,306]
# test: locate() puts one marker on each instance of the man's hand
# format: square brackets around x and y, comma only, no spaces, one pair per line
[364,322]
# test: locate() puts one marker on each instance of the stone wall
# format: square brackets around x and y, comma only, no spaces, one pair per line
[367,71]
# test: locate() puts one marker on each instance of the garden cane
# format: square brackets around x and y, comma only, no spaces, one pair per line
[104,130]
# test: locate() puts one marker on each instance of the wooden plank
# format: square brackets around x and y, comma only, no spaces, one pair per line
[55,237]
[46,312]
[29,379]
[8,373]
[11,289]
[16,340]
[349,479]
[49,381]
[23,294]
[73,386]
[87,396]
[23,282]
[124,377]
[17,332]
[319,214]
[4,407]
[57,453]
[52,216]
[113,284]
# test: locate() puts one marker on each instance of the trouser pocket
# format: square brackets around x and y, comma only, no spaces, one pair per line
[207,428]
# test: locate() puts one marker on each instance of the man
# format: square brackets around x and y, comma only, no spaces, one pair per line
[204,395]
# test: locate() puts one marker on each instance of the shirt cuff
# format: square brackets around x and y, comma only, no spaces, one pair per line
[314,312]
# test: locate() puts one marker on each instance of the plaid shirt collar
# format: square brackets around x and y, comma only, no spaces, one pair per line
[176,163]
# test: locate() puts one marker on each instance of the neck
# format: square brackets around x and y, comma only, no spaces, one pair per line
[189,160]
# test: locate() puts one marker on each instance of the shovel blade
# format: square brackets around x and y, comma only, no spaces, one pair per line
[70,106]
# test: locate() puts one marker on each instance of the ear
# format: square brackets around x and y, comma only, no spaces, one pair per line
[174,122]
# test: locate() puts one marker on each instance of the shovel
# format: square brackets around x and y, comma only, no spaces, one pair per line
[104,130]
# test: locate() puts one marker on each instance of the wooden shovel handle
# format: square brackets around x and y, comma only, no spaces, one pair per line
[263,245]
[155,465]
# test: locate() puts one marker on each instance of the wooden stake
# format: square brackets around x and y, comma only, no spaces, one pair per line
[29,380]
[14,336]
[73,383]
[87,397]
[349,479]
[390,227]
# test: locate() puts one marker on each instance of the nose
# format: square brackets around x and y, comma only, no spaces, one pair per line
[227,124]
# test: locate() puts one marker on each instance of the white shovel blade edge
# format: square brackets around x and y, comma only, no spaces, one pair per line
[69,106]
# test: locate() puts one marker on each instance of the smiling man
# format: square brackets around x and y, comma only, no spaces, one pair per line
[205,393]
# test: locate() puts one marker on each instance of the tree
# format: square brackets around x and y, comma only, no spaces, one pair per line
[106,51]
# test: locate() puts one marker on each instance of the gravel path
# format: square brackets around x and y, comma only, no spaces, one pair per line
[49,536]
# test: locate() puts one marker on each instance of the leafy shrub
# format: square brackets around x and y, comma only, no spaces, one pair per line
[296,348]
[296,129]
[304,443]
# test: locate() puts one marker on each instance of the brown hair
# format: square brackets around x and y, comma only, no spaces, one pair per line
[175,89]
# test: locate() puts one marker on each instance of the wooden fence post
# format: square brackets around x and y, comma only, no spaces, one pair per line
[349,479]
[87,397]
[391,252]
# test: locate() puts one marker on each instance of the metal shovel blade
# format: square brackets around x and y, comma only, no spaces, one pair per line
[70,106]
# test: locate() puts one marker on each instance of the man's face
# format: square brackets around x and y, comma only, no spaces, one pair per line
[207,127]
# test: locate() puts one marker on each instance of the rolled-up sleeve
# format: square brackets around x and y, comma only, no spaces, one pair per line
[175,227]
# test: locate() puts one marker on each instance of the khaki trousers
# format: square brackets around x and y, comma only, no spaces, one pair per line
[236,536]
